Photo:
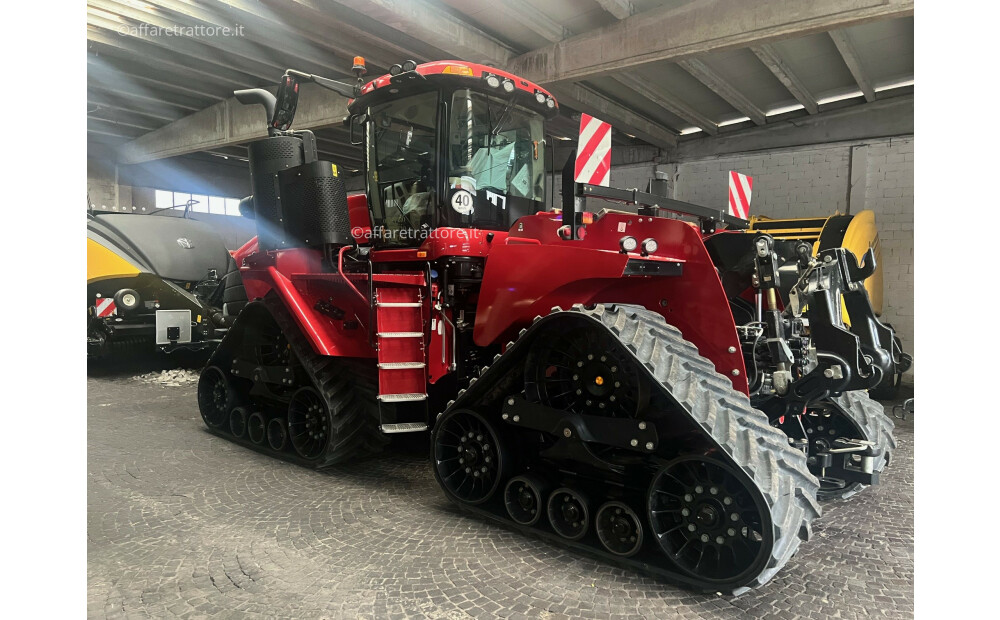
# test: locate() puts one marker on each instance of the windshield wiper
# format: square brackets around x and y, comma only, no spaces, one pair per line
[504,116]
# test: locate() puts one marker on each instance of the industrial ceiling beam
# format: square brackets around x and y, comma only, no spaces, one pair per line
[882,118]
[427,22]
[97,101]
[146,98]
[261,30]
[772,60]
[657,94]
[230,122]
[453,36]
[622,118]
[675,32]
[846,48]
[343,19]
[721,87]
[104,32]
[115,72]
[210,59]
[536,21]
[619,8]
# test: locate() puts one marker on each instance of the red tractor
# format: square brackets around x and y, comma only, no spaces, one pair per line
[581,374]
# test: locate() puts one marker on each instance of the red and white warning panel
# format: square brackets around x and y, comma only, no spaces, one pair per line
[104,307]
[593,153]
[740,186]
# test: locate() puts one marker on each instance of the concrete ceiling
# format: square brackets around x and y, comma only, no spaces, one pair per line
[663,72]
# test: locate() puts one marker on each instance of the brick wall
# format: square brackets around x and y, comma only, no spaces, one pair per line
[816,181]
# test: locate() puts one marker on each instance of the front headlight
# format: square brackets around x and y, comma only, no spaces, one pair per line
[628,244]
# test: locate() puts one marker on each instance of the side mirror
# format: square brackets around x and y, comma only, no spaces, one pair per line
[286,101]
[358,120]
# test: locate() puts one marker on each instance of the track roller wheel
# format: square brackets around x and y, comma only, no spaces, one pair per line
[277,436]
[215,397]
[707,521]
[619,529]
[238,421]
[568,513]
[308,423]
[523,498]
[255,427]
[468,457]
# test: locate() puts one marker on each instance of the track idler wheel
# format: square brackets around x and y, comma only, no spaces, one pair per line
[238,422]
[619,529]
[523,497]
[277,436]
[255,427]
[708,522]
[215,397]
[308,423]
[469,460]
[568,513]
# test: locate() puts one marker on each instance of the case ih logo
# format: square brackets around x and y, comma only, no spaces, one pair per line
[185,243]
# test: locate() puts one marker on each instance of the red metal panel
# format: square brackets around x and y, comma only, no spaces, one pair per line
[296,277]
[445,242]
[523,280]
[361,223]
[439,347]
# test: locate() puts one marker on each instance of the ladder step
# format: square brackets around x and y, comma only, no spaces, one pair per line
[401,334]
[401,365]
[399,304]
[403,427]
[395,398]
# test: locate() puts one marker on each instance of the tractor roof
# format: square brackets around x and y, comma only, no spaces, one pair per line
[454,73]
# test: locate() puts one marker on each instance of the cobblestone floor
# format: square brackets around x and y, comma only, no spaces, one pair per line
[183,523]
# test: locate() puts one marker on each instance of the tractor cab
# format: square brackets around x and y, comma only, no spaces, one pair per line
[450,145]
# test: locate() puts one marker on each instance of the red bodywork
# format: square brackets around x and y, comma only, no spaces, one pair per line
[527,272]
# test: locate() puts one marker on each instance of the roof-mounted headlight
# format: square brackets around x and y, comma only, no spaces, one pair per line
[492,81]
[395,69]
[409,65]
[550,102]
[540,97]
[508,86]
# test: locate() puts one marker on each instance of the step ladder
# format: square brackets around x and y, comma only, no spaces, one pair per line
[402,365]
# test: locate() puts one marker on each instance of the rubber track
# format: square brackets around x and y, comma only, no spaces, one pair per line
[742,432]
[868,415]
[346,386]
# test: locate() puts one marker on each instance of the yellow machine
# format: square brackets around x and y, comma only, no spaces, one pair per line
[856,233]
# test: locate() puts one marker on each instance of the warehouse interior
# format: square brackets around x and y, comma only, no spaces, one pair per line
[813,100]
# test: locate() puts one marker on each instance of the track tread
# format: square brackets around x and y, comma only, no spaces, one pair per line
[726,416]
[761,451]
[346,387]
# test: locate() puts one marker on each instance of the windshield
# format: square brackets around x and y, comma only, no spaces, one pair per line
[493,156]
[496,161]
[402,143]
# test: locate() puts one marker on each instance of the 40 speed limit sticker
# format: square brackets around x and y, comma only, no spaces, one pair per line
[462,202]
